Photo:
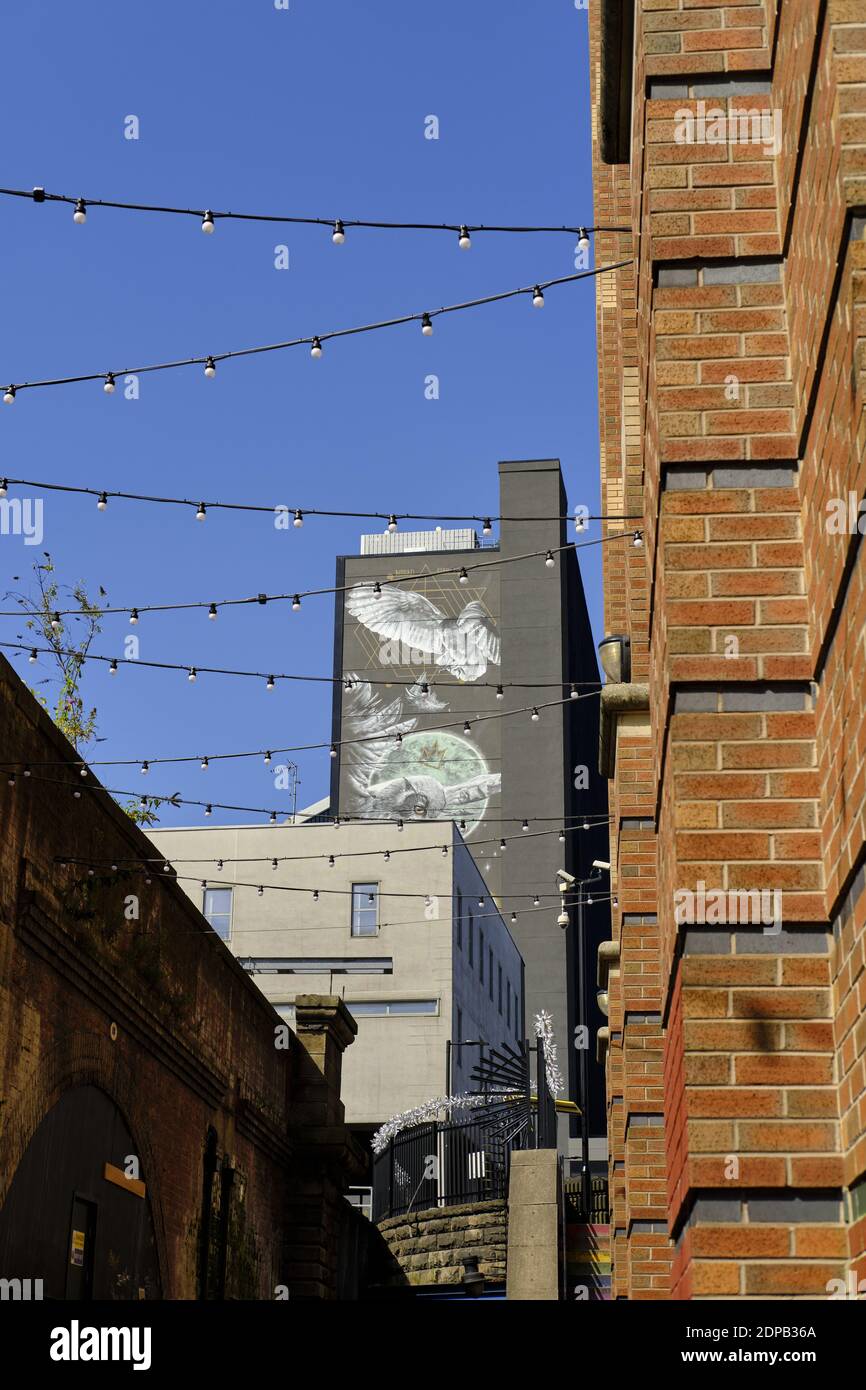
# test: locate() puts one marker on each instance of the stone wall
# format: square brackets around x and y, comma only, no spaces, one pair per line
[431,1246]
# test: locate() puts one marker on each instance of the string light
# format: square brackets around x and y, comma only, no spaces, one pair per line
[426,325]
[9,395]
[535,716]
[316,342]
[109,387]
[271,510]
[637,540]
[33,657]
[296,603]
[145,769]
[549,560]
[79,216]
[204,764]
[467,728]
[392,523]
[583,239]
[210,368]
[192,674]
[270,683]
[102,503]
[208,810]
[212,612]
[463,577]
[500,693]
[538,298]
[207,223]
[339,233]
[133,617]
[201,513]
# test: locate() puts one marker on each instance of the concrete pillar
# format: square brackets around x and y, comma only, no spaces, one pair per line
[533,1225]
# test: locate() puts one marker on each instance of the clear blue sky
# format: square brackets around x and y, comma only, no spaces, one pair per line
[316,111]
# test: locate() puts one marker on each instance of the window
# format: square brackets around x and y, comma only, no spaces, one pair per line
[318,965]
[459,1025]
[390,1008]
[217,908]
[508,988]
[490,975]
[481,955]
[471,939]
[365,909]
[362,1198]
[500,989]
[459,920]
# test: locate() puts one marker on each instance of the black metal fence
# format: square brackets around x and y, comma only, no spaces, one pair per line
[440,1165]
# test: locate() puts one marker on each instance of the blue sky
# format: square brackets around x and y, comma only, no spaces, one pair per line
[316,111]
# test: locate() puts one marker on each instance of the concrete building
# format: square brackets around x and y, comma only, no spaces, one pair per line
[407,936]
[728,141]
[436,649]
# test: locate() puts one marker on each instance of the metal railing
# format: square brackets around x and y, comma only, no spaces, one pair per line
[440,1165]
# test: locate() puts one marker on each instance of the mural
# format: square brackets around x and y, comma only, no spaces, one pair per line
[427,774]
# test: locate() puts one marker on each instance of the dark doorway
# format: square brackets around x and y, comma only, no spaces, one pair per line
[71,1216]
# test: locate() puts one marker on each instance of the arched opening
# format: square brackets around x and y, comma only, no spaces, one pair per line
[77,1213]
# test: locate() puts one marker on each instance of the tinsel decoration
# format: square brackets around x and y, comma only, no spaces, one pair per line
[544,1030]
[428,1111]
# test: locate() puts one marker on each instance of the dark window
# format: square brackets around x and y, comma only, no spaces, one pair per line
[490,974]
[471,939]
[508,989]
[365,909]
[481,955]
[500,989]
[459,1025]
[459,920]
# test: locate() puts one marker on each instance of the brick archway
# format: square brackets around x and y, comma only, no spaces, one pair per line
[82,1059]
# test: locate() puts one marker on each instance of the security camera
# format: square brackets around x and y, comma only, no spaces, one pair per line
[600,864]
[566,878]
[562,919]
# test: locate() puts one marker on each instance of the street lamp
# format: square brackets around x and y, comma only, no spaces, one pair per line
[615,656]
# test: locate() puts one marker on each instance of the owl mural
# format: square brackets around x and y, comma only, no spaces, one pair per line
[426,773]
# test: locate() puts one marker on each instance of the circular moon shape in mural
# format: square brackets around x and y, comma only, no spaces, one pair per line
[446,776]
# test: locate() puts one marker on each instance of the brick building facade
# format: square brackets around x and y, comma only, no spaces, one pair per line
[732,381]
[157,1139]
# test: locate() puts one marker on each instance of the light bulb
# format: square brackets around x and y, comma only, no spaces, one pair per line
[56,623]
[398,739]
[480,902]
[4,486]
[133,617]
[387,855]
[535,716]
[204,764]
[392,523]
[79,216]
[10,395]
[377,590]
[425,689]
[315,895]
[208,810]
[514,916]
[220,865]
[32,657]
[549,560]
[109,386]
[467,727]
[503,845]
[273,863]
[296,604]
[330,861]
[573,693]
[210,368]
[11,779]
[399,825]
[463,577]
[272,818]
[339,233]
[192,674]
[207,223]
[201,513]
[270,683]
[298,519]
[212,612]
[333,751]
[487,528]
[464,241]
[582,240]
[260,891]
[585,825]
[267,759]
[102,503]
[426,325]
[500,693]
[145,769]
[538,298]
[589,900]
[525,825]
[316,349]
[444,851]
[83,772]
[637,540]
[536,901]
[562,837]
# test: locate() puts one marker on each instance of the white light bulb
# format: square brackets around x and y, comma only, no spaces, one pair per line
[637,541]
[192,674]
[392,523]
[463,577]
[210,368]
[9,395]
[133,617]
[79,216]
[4,486]
[316,349]
[207,223]
[500,693]
[212,612]
[426,325]
[296,604]
[298,518]
[538,298]
[583,240]
[535,716]
[270,683]
[32,657]
[549,560]
[339,233]
[201,513]
[109,386]
[102,503]
[464,240]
